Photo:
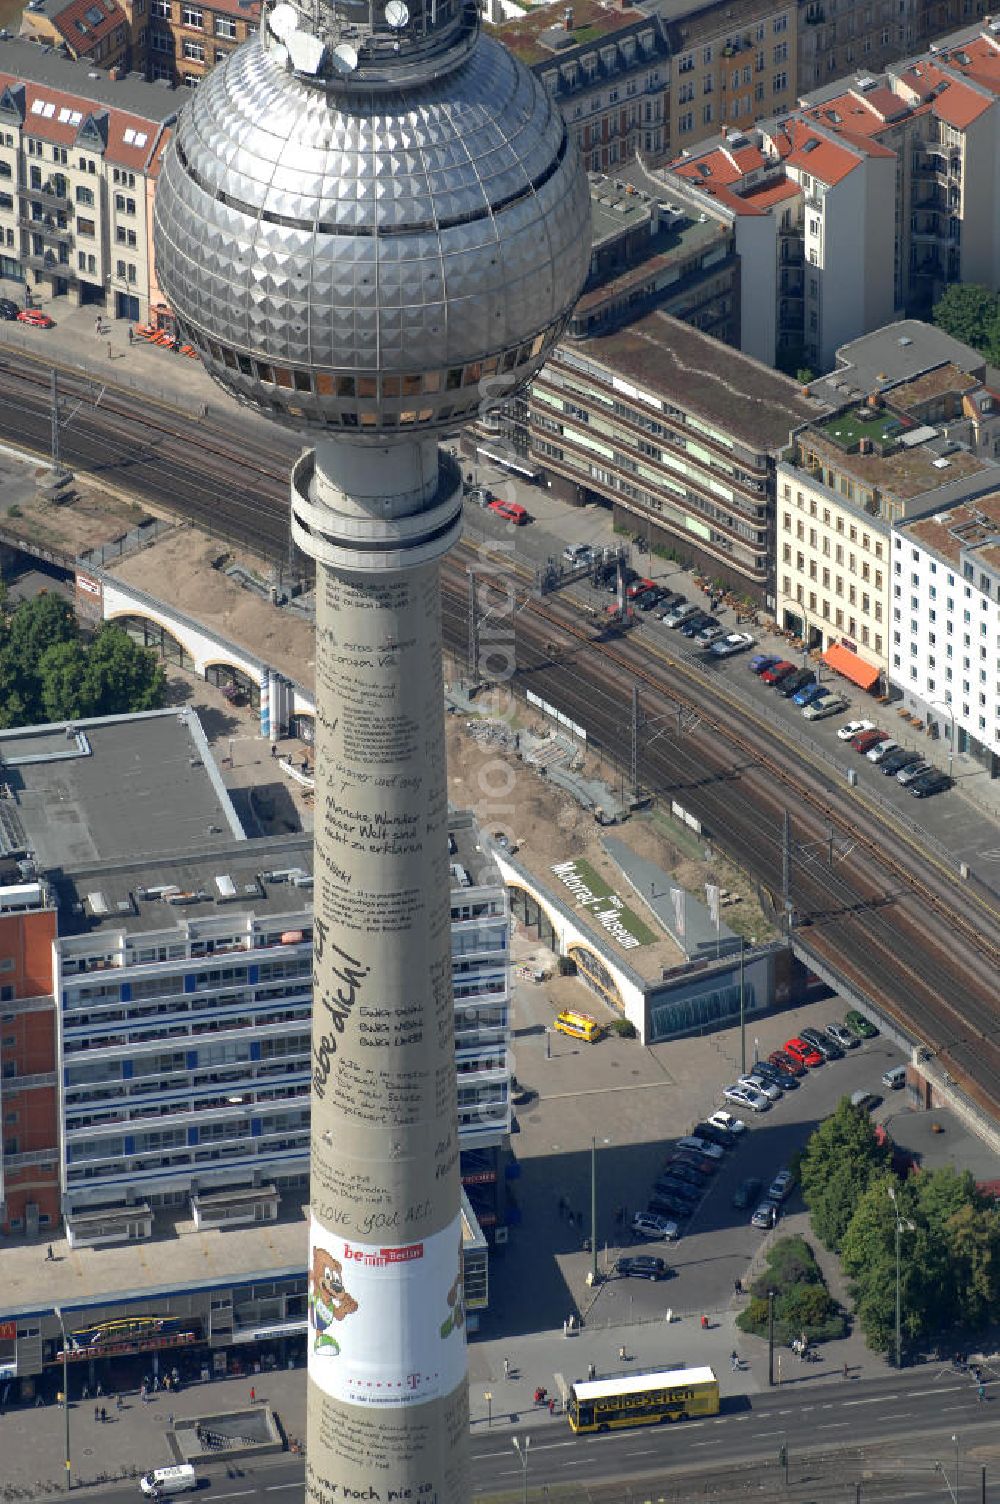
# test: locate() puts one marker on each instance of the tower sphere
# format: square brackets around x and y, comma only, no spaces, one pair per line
[371,219]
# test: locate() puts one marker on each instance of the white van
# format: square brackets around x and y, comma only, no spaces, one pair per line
[895,1078]
[179,1479]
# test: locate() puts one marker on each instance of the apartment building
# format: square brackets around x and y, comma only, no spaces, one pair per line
[606,66]
[79,152]
[837,37]
[846,481]
[173,1069]
[187,37]
[678,434]
[97,31]
[945,655]
[730,67]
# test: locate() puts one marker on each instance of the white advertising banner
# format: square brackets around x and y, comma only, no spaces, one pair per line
[386,1321]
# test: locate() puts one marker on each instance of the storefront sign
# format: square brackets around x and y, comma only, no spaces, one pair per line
[268,1333]
[8,1331]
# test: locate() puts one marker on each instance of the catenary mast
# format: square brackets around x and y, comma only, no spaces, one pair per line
[371,222]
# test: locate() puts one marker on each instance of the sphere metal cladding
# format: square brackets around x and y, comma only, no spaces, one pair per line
[360,260]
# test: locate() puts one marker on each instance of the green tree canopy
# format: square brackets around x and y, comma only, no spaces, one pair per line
[62,690]
[120,676]
[972,314]
[839,1162]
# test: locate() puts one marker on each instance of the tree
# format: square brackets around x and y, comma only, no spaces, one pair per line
[62,686]
[36,624]
[16,694]
[971,314]
[120,677]
[868,1258]
[838,1164]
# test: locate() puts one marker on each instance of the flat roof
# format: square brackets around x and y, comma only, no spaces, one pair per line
[673,244]
[905,473]
[477,860]
[40,64]
[93,791]
[972,525]
[614,209]
[936,383]
[711,380]
[541,36]
[897,353]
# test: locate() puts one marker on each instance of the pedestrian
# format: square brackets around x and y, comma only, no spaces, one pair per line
[253,1394]
[170,1420]
[50,1256]
[845,1370]
[552,1405]
[131,336]
[738,1286]
[119,1402]
[622,1354]
[591,1372]
[97,1414]
[86,1393]
[97,326]
[981,1393]
[506,1368]
[704,1323]
[104,1415]
[100,1392]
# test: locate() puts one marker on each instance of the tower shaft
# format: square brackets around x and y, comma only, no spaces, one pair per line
[387,1386]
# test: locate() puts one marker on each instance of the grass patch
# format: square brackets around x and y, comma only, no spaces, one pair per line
[802,1301]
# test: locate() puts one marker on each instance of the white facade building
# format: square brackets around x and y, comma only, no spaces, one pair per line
[946,624]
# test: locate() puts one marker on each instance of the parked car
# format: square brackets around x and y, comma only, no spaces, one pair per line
[650,1225]
[819,710]
[895,762]
[663,1204]
[578,554]
[777,672]
[684,1192]
[786,1062]
[823,1043]
[882,749]
[680,614]
[785,1080]
[687,1159]
[852,729]
[647,600]
[866,740]
[687,1181]
[766,1215]
[781,1186]
[841,1034]
[629,575]
[36,318]
[8,309]
[799,680]
[746,1192]
[715,1135]
[708,636]
[696,624]
[732,642]
[510,511]
[641,1266]
[639,586]
[744,1096]
[809,694]
[804,1053]
[701,1146]
[859,1025]
[723,1119]
[757,1083]
[930,783]
[761,661]
[669,600]
[913,771]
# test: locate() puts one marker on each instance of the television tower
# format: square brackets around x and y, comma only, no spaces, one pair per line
[372,223]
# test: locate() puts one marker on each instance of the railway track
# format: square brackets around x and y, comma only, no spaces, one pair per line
[890,926]
[886,929]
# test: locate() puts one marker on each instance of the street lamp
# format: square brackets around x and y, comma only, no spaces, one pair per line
[521,1448]
[770,1338]
[903,1224]
[593,1207]
[955,1440]
[488,1397]
[65,1366]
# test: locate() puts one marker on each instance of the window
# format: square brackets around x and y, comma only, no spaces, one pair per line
[779,83]
[85,227]
[160,8]
[193,51]
[225,28]
[125,205]
[191,15]
[85,196]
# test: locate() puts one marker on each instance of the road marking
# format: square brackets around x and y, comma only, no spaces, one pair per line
[919,1394]
[648,1453]
[703,1443]
[834,1425]
[769,1433]
[882,1399]
[277,1488]
[241,1495]
[784,1412]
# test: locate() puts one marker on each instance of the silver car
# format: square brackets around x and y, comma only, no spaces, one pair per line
[841,1034]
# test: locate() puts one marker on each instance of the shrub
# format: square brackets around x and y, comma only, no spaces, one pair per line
[624,1028]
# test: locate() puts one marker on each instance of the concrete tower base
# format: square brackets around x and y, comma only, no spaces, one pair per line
[387,1393]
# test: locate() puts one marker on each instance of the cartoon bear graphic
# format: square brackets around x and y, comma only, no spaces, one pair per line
[456,1301]
[328,1300]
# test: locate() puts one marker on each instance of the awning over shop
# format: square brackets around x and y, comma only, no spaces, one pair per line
[851,666]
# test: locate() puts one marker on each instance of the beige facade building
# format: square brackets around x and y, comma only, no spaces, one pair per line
[78,154]
[187,38]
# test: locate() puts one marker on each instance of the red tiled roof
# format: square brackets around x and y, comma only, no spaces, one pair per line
[820,158]
[978,60]
[52,115]
[770,193]
[84,23]
[955,103]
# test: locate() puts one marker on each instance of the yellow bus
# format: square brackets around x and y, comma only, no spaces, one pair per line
[578,1026]
[642,1399]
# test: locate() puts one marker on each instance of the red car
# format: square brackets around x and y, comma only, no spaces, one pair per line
[36,318]
[639,587]
[866,740]
[803,1053]
[786,1062]
[510,511]
[777,672]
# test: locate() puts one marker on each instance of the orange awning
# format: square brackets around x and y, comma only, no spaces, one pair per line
[851,666]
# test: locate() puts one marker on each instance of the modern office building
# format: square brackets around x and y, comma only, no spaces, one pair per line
[945,656]
[678,434]
[79,154]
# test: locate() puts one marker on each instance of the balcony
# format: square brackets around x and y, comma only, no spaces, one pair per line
[47,195]
[46,227]
[50,266]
